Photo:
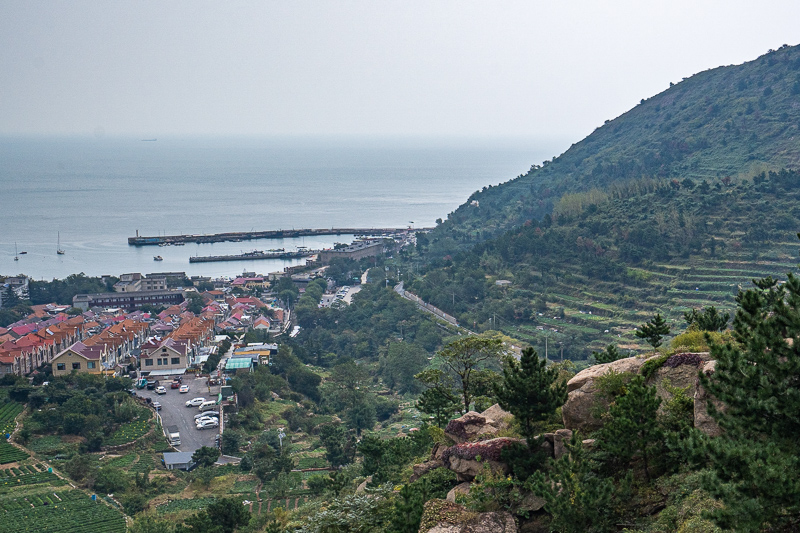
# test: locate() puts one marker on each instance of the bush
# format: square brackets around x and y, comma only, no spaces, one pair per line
[695,341]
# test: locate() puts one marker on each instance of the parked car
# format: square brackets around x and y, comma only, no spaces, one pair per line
[152,385]
[213,414]
[156,406]
[161,390]
[194,402]
[206,424]
[207,419]
[175,385]
[184,388]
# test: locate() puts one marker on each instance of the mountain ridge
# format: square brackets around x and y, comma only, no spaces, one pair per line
[724,122]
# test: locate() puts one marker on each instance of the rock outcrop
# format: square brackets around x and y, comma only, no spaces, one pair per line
[702,420]
[474,426]
[423,468]
[461,488]
[468,459]
[441,516]
[583,398]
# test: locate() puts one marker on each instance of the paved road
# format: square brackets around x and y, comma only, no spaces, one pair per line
[174,412]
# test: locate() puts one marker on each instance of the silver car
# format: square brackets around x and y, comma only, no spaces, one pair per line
[206,424]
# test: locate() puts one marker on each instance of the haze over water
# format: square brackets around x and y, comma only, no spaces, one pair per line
[98,192]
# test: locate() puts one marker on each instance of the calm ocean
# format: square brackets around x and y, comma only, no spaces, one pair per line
[99,192]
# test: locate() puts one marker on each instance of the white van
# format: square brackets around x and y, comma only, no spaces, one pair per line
[207,405]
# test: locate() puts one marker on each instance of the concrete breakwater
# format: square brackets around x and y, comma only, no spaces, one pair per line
[271,234]
[247,256]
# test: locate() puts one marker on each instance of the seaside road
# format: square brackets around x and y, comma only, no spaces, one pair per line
[174,412]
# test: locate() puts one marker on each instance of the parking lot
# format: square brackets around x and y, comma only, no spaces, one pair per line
[174,411]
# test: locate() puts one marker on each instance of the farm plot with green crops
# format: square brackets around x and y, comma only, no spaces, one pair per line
[123,461]
[240,487]
[63,512]
[8,413]
[129,432]
[10,454]
[144,464]
[192,504]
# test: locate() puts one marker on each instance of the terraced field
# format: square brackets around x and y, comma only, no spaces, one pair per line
[600,315]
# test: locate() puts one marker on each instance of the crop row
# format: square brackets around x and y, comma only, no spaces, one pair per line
[18,471]
[8,413]
[128,433]
[69,512]
[9,483]
[10,454]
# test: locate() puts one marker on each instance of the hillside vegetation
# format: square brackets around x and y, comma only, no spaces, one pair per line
[726,122]
[590,275]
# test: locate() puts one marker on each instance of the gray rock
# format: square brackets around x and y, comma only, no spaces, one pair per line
[702,420]
[423,468]
[559,438]
[461,488]
[472,426]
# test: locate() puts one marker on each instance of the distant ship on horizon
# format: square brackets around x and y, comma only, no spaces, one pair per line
[149,140]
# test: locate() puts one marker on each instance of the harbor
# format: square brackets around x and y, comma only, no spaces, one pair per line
[270,234]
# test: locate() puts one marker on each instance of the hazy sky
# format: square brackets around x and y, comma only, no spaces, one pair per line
[482,68]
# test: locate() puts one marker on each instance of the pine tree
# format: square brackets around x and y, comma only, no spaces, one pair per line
[709,319]
[653,331]
[530,391]
[632,429]
[755,463]
[609,355]
[578,500]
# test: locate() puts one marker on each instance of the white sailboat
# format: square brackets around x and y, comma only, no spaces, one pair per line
[59,251]
[16,254]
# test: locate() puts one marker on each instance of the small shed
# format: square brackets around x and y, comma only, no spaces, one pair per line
[178,460]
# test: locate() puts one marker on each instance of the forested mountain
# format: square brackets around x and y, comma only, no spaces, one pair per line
[719,124]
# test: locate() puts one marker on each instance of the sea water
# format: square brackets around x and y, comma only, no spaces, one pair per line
[97,192]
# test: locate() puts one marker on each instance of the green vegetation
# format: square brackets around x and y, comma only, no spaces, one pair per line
[714,126]
[579,281]
[59,512]
[10,454]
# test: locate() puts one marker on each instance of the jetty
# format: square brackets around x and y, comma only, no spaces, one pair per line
[270,234]
[257,254]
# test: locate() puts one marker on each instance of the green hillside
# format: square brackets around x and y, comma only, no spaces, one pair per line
[723,123]
[589,276]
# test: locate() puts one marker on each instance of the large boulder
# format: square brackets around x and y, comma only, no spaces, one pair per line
[441,516]
[468,459]
[500,417]
[702,420]
[679,371]
[583,399]
[476,426]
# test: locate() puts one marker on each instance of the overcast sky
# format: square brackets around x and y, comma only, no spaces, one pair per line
[418,68]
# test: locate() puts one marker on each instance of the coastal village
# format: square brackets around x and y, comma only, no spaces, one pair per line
[111,333]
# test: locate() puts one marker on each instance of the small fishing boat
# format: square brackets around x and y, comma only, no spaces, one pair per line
[157,258]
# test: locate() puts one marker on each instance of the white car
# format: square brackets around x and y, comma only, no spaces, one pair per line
[161,390]
[212,414]
[205,424]
[194,402]
[207,419]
